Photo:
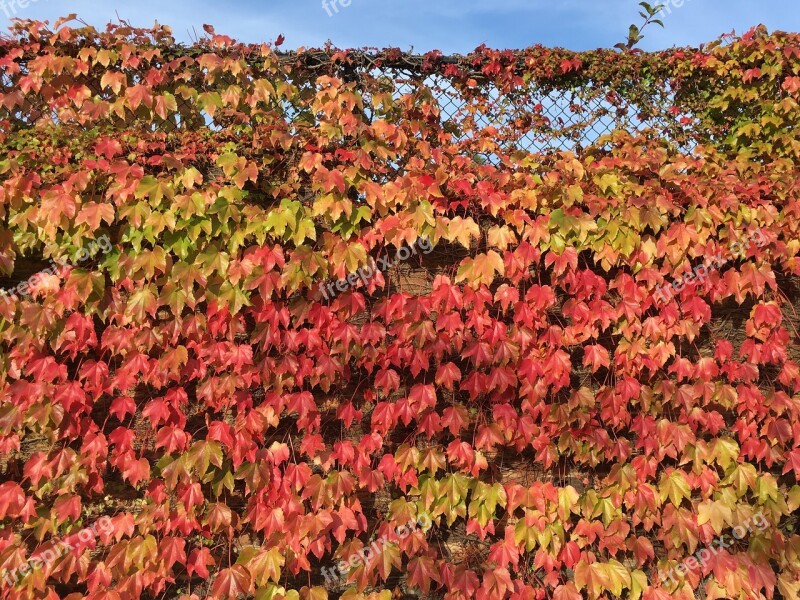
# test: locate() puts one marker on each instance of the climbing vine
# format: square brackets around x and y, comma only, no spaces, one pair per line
[184,390]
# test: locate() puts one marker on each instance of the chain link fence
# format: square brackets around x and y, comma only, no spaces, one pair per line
[533,116]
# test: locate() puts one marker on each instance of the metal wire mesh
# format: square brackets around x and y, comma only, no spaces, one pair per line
[530,118]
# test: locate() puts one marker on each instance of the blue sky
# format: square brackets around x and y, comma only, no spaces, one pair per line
[449,25]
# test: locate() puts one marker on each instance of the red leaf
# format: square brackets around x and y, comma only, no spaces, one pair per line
[134,470]
[421,571]
[12,499]
[231,582]
[422,397]
[121,406]
[505,551]
[447,374]
[171,550]
[108,147]
[793,463]
[596,356]
[567,592]
[138,95]
[199,561]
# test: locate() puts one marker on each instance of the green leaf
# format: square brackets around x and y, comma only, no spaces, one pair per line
[233,296]
[153,189]
[147,186]
[485,500]
[523,533]
[228,162]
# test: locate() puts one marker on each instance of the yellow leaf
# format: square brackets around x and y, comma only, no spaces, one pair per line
[266,566]
[314,593]
[674,487]
[104,57]
[263,90]
[618,577]
[481,270]
[716,513]
[725,451]
[789,586]
[567,500]
[462,231]
[794,498]
[639,583]
[593,577]
[501,237]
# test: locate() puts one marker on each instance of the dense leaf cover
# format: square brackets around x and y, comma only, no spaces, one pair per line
[242,432]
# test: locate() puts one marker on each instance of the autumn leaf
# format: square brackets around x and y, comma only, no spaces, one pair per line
[481,270]
[113,80]
[136,470]
[389,558]
[567,592]
[674,487]
[599,577]
[715,512]
[421,572]
[597,357]
[462,230]
[231,582]
[138,95]
[265,566]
